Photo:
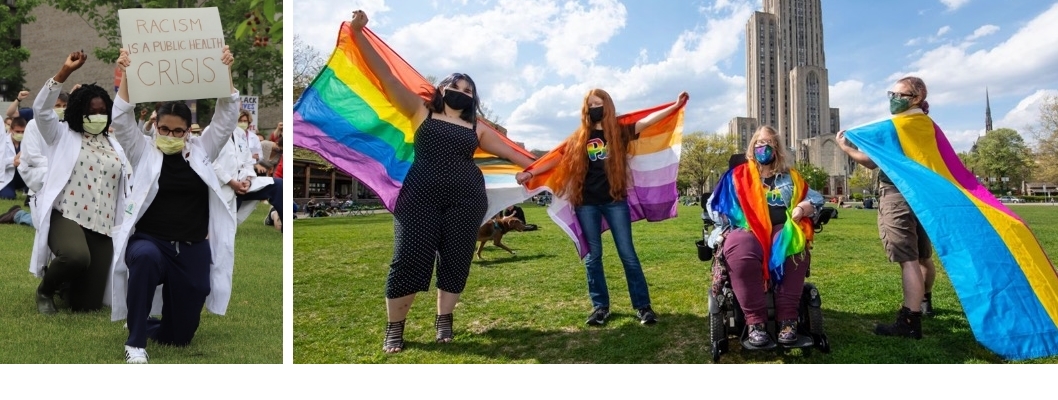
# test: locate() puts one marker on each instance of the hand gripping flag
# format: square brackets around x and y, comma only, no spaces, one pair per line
[1006,284]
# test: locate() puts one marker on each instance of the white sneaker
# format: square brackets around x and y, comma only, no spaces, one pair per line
[135,355]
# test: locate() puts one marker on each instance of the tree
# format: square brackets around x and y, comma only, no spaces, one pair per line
[862,179]
[12,77]
[307,64]
[703,159]
[815,176]
[257,69]
[1047,142]
[1002,153]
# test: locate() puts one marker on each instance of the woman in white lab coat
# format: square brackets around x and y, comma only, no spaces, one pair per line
[77,208]
[177,231]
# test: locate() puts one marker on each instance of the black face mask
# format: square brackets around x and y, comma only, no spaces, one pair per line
[595,113]
[458,100]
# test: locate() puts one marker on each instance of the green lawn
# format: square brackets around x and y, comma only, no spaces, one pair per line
[251,332]
[531,308]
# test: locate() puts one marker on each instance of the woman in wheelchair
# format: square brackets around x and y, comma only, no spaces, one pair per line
[765,209]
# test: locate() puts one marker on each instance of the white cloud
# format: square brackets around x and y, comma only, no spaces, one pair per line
[954,4]
[572,43]
[983,31]
[1023,62]
[944,29]
[1025,116]
[929,39]
[550,112]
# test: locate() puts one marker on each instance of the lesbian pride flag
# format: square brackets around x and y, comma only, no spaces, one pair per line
[655,160]
[346,118]
[1006,284]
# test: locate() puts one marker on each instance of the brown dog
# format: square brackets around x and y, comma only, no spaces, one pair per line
[495,228]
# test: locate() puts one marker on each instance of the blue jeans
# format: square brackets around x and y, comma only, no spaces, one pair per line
[24,218]
[620,222]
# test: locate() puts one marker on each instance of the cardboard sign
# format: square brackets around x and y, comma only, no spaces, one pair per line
[175,54]
[249,103]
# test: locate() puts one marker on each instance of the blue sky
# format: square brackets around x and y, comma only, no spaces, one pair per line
[534,60]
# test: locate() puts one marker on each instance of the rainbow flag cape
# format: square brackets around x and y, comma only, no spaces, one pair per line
[740,197]
[1006,284]
[345,116]
[654,161]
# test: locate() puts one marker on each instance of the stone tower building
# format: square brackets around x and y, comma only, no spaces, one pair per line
[787,87]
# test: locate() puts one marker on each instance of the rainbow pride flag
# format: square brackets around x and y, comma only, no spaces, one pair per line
[1007,286]
[655,160]
[741,199]
[345,116]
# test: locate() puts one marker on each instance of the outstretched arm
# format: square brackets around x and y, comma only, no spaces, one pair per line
[12,110]
[225,116]
[44,105]
[492,143]
[126,131]
[409,103]
[855,154]
[658,116]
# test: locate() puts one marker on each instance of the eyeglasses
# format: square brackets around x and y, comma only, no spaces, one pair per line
[762,142]
[177,133]
[893,95]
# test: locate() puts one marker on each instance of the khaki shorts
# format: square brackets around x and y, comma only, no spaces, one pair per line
[902,234]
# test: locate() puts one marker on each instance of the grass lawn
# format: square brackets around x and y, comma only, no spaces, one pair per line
[251,332]
[531,308]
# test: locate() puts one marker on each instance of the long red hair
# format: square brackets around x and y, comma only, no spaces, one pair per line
[569,177]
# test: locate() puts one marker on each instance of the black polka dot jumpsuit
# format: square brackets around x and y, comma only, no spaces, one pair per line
[439,208]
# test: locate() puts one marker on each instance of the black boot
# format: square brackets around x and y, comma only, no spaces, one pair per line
[927,304]
[908,324]
[45,304]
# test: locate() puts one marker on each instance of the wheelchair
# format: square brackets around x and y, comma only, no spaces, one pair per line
[726,319]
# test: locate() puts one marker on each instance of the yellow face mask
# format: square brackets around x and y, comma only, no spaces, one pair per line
[168,144]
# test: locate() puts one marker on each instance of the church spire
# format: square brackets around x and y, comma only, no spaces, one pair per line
[988,113]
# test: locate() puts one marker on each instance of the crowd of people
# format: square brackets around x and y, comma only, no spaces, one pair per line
[142,210]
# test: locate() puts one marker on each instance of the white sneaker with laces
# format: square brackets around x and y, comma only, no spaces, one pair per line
[135,355]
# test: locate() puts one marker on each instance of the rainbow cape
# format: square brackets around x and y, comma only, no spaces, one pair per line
[345,116]
[654,161]
[739,196]
[1006,284]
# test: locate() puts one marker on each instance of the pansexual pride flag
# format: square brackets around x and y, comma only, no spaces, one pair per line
[655,160]
[346,118]
[1006,284]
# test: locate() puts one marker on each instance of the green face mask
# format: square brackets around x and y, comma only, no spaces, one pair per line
[898,105]
[17,137]
[61,112]
[243,125]
[94,124]
[169,144]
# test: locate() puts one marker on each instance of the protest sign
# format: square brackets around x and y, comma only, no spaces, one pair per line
[249,103]
[175,53]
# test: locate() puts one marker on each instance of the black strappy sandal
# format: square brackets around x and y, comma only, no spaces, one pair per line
[443,324]
[394,341]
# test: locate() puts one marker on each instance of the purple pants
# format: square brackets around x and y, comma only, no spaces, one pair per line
[744,262]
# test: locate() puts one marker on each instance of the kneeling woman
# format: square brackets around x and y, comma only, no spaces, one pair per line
[176,230]
[767,206]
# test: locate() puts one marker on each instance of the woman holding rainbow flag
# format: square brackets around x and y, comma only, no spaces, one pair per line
[766,207]
[442,201]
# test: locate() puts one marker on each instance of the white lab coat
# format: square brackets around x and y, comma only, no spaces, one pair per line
[200,152]
[32,164]
[232,164]
[61,147]
[7,159]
